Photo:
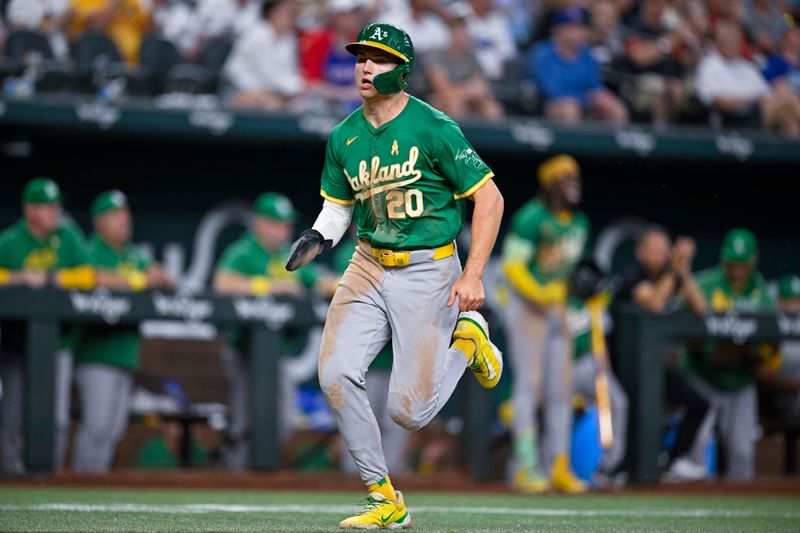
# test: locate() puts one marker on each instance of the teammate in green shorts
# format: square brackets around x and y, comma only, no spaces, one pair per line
[41,249]
[547,239]
[725,373]
[107,356]
[253,266]
[401,170]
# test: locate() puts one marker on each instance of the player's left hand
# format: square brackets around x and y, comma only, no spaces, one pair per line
[469,291]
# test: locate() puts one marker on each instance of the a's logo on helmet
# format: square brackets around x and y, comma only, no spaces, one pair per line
[379,34]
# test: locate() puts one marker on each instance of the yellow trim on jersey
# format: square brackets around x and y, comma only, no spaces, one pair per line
[82,277]
[5,276]
[335,200]
[551,293]
[471,190]
[380,46]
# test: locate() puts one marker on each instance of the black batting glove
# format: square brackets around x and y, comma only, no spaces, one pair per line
[308,246]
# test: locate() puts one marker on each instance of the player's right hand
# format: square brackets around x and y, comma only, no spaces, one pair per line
[305,249]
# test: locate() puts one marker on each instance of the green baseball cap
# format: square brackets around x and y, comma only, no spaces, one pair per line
[106,201]
[789,287]
[41,191]
[739,246]
[276,206]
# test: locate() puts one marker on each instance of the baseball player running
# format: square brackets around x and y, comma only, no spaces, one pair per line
[401,170]
[547,239]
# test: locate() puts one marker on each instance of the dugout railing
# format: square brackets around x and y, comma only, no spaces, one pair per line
[641,343]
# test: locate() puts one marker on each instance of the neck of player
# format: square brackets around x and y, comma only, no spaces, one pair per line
[381,108]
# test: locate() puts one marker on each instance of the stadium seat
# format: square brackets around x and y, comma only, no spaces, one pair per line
[190,78]
[516,92]
[214,54]
[26,46]
[97,59]
[157,56]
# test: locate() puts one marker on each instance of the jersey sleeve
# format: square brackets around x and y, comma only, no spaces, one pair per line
[76,251]
[335,187]
[459,163]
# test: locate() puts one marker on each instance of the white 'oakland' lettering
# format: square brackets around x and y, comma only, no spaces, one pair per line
[372,174]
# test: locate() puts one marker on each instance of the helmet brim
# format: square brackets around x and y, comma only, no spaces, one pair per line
[354,46]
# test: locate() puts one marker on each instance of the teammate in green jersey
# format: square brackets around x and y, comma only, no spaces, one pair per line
[107,356]
[40,249]
[401,170]
[547,239]
[725,373]
[253,266]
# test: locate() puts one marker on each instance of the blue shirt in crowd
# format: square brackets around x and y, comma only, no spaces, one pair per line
[778,67]
[557,77]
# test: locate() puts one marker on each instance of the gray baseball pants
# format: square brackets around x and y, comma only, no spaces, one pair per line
[12,374]
[372,304]
[541,364]
[736,414]
[393,437]
[105,393]
[584,370]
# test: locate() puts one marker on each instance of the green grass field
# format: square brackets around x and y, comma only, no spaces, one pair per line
[84,510]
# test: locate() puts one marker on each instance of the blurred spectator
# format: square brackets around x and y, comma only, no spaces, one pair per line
[786,383]
[661,276]
[107,356]
[783,69]
[325,63]
[175,21]
[163,451]
[225,18]
[50,17]
[587,295]
[125,21]
[605,33]
[650,49]
[765,25]
[458,87]
[254,266]
[547,239]
[42,249]
[489,28]
[724,372]
[263,68]
[569,77]
[737,93]
[423,20]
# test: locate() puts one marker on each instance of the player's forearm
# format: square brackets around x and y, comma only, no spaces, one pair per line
[230,283]
[486,219]
[333,221]
[693,295]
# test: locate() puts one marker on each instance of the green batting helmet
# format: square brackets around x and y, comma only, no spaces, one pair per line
[739,246]
[394,41]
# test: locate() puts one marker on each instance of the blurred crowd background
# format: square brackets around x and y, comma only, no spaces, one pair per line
[729,63]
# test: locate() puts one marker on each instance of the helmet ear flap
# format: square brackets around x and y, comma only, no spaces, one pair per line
[395,80]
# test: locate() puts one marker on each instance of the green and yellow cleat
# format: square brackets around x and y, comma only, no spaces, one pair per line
[487,361]
[380,513]
[527,483]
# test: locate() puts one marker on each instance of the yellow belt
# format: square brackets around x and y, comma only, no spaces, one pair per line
[392,258]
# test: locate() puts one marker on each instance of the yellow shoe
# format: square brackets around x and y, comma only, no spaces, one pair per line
[487,362]
[527,483]
[380,513]
[563,479]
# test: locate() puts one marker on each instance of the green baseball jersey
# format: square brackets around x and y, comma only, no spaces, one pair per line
[549,244]
[247,257]
[407,178]
[580,326]
[112,345]
[64,248]
[20,250]
[722,296]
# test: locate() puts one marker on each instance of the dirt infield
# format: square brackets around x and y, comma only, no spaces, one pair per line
[291,480]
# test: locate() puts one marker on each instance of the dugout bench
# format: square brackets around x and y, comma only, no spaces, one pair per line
[640,344]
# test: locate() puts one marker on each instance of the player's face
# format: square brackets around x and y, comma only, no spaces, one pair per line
[571,190]
[369,63]
[43,218]
[115,226]
[738,273]
[653,252]
[272,233]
